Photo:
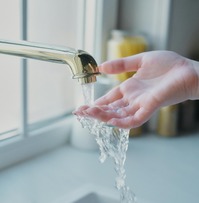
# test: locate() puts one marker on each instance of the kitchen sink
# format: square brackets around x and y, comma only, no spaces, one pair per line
[91,194]
[96,198]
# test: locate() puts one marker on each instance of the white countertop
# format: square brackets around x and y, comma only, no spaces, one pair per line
[159,170]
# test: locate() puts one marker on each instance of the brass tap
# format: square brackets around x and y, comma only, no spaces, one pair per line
[83,66]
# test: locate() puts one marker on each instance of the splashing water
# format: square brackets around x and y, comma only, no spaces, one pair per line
[88,93]
[113,143]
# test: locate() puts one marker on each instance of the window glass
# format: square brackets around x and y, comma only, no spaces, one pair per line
[50,87]
[9,67]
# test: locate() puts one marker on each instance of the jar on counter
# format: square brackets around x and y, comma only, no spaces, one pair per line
[168,121]
[123,44]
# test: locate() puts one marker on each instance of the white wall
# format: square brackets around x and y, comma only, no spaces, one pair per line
[170,24]
[50,87]
[149,17]
[184,27]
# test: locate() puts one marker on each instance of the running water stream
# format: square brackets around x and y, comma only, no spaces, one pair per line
[113,143]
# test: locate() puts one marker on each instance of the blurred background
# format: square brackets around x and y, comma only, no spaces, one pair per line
[37,99]
[37,94]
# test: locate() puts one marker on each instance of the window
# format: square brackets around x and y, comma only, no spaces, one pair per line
[46,83]
[48,92]
[10,70]
[37,97]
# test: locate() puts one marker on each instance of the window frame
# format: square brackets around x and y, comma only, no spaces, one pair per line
[31,140]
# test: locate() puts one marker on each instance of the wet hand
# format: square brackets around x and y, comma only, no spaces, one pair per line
[162,78]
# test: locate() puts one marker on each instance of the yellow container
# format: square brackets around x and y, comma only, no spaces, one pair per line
[122,45]
[135,132]
[168,121]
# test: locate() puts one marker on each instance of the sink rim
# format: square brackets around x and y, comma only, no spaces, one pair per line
[87,189]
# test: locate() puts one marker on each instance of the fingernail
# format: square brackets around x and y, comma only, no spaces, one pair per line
[74,112]
[77,113]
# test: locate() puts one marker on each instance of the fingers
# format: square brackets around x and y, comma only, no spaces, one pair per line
[103,114]
[133,121]
[120,103]
[113,95]
[127,64]
[124,116]
[80,110]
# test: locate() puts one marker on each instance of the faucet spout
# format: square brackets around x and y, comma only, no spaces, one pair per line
[83,66]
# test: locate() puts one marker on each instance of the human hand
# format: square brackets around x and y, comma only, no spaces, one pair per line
[162,78]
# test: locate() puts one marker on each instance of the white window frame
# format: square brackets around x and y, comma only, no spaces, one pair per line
[29,141]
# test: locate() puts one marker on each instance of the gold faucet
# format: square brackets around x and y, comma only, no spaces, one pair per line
[83,66]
